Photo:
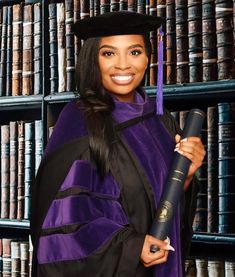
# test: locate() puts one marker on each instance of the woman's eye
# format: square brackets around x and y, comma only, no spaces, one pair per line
[107,54]
[136,52]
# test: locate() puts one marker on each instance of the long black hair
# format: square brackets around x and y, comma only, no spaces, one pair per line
[98,104]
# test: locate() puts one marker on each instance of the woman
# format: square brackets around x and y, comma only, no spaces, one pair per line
[105,165]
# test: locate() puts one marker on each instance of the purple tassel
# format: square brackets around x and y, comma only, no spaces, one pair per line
[159,96]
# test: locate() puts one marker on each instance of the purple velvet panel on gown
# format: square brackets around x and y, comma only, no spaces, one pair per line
[153,146]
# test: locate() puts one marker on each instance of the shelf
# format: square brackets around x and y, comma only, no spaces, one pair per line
[62,97]
[20,102]
[11,223]
[214,238]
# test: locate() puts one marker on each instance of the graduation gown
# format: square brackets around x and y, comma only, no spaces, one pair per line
[83,225]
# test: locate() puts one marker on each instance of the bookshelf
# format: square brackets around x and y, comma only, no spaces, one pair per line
[47,107]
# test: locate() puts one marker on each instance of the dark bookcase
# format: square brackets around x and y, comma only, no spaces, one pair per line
[47,102]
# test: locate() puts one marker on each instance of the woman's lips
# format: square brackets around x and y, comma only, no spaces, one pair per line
[122,79]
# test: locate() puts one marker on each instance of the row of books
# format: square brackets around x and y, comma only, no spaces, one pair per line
[15,257]
[209,268]
[21,152]
[215,210]
[20,50]
[199,40]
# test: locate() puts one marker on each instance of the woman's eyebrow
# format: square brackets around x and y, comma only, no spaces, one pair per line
[130,47]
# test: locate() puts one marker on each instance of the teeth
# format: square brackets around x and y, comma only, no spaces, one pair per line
[122,78]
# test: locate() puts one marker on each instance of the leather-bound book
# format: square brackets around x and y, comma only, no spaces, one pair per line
[24,258]
[195,40]
[224,32]
[76,17]
[212,169]
[91,7]
[124,5]
[154,52]
[38,48]
[9,53]
[132,5]
[5,170]
[170,43]
[61,47]
[114,5]
[6,257]
[104,6]
[215,268]
[15,258]
[182,60]
[30,255]
[190,268]
[29,166]
[17,34]
[96,7]
[209,49]
[53,48]
[3,52]
[141,6]
[27,63]
[13,169]
[226,139]
[229,268]
[38,143]
[84,9]
[161,11]
[70,59]
[20,183]
[201,267]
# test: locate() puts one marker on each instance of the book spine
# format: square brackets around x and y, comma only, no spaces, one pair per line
[53,48]
[170,43]
[141,5]
[29,166]
[24,258]
[5,170]
[212,169]
[104,6]
[20,184]
[6,257]
[226,142]
[153,40]
[224,32]
[132,5]
[229,268]
[3,52]
[114,5]
[38,143]
[96,7]
[70,69]
[209,50]
[123,5]
[182,62]
[13,169]
[201,267]
[195,40]
[91,7]
[76,10]
[9,53]
[215,268]
[84,9]
[27,63]
[61,47]
[190,268]
[37,61]
[17,50]
[15,258]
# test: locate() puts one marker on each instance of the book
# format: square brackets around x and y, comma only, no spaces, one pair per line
[9,53]
[17,50]
[13,169]
[61,47]
[3,53]
[53,48]
[15,258]
[5,170]
[21,160]
[215,268]
[37,49]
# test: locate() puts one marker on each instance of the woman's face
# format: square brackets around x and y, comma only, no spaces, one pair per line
[122,62]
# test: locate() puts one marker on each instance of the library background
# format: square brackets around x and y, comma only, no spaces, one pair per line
[38,53]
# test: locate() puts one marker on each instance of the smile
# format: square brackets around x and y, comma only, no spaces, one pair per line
[122,79]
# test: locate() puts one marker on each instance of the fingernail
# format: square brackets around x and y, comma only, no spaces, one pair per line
[179,151]
[176,149]
[169,247]
[185,139]
[168,240]
[177,145]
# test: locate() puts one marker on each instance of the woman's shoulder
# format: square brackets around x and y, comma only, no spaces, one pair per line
[70,125]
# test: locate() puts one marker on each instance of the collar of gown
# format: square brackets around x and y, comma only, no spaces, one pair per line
[125,110]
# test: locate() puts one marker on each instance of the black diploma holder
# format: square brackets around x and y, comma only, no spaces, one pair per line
[175,182]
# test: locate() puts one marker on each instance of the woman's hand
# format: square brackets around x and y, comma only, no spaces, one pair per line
[193,149]
[147,258]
